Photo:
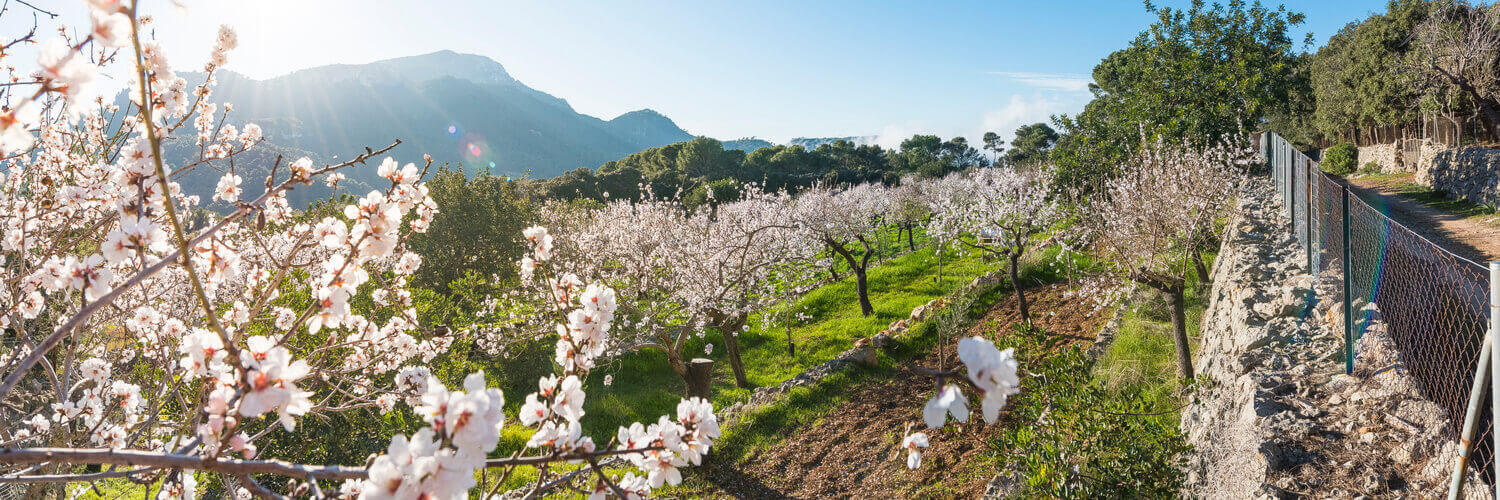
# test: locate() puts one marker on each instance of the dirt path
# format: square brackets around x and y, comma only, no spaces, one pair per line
[1471,238]
[849,453]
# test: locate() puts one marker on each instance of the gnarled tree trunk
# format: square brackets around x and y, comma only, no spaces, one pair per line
[1015,283]
[730,326]
[1173,288]
[859,264]
[1200,266]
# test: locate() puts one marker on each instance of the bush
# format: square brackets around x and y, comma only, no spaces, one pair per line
[1341,159]
[1097,443]
[1370,168]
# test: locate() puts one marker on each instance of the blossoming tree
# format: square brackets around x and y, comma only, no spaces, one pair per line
[909,208]
[742,256]
[134,346]
[846,222]
[681,271]
[1005,208]
[1152,216]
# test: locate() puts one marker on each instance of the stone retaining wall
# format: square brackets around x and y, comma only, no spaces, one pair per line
[1276,416]
[1387,156]
[1471,173]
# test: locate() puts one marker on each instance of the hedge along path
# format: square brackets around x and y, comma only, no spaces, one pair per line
[849,451]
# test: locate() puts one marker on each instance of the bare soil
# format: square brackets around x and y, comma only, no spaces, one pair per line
[853,451]
[1473,238]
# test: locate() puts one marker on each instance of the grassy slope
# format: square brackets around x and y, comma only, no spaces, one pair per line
[769,425]
[1143,356]
[644,387]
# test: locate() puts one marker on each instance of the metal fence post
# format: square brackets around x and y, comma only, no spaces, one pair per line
[1471,421]
[1312,267]
[1291,199]
[1348,296]
[1495,357]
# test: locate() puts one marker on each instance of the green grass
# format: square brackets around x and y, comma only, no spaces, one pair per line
[769,425]
[1143,356]
[644,387]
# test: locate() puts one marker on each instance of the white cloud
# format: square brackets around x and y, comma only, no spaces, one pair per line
[1015,111]
[1067,82]
[1023,110]
[891,136]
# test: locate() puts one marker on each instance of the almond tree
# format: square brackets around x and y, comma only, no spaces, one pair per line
[846,222]
[1150,217]
[909,208]
[1009,208]
[681,271]
[134,346]
[741,257]
[1457,46]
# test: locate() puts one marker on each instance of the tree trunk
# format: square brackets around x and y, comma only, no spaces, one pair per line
[1179,333]
[911,244]
[675,360]
[700,377]
[731,332]
[1200,266]
[1015,283]
[864,292]
[858,265]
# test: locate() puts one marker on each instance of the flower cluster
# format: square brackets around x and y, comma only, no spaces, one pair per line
[990,370]
[439,460]
[104,408]
[463,426]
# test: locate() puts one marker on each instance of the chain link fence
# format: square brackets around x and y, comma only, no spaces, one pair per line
[1433,302]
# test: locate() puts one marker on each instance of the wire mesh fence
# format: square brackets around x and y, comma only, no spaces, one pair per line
[1433,302]
[1329,210]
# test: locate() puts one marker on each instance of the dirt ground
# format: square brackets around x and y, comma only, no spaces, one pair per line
[1472,238]
[852,452]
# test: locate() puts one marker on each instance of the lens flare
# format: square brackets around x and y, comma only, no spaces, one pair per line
[474,150]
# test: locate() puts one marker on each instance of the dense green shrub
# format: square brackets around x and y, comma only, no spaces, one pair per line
[1096,443]
[1341,159]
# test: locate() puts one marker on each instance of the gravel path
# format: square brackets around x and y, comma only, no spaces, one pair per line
[1473,238]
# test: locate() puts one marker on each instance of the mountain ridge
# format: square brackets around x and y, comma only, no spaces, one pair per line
[459,108]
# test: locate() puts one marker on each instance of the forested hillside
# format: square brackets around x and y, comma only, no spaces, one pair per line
[703,164]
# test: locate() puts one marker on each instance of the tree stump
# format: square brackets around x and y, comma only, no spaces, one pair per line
[700,375]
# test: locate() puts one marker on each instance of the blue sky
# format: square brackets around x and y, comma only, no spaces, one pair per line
[774,70]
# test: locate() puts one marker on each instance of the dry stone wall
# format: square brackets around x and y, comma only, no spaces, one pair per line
[1276,417]
[1386,156]
[1471,173]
